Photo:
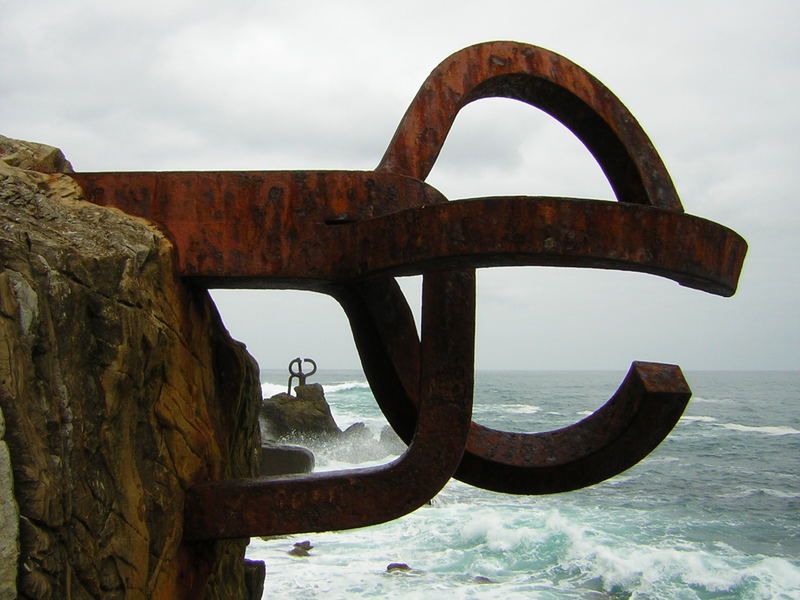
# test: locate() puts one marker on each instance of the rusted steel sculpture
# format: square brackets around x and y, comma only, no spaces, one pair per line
[299,374]
[349,233]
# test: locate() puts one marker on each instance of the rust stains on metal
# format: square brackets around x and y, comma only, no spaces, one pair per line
[349,233]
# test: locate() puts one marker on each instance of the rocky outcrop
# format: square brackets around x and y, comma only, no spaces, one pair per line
[301,549]
[305,414]
[31,156]
[119,388]
[255,571]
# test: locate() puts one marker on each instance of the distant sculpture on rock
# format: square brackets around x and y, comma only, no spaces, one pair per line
[306,414]
[298,373]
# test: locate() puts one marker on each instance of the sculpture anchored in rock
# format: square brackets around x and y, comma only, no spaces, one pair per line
[298,373]
[349,233]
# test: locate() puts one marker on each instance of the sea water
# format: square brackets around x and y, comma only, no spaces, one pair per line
[712,513]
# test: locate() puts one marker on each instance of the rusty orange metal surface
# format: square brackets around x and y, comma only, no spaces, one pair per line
[349,233]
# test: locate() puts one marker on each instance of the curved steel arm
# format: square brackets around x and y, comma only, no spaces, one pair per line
[623,431]
[543,231]
[547,81]
[619,434]
[703,257]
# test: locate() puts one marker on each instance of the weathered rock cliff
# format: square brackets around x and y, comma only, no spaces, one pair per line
[119,388]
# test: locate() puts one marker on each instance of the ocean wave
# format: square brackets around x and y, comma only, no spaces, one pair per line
[709,518]
[710,400]
[698,418]
[524,409]
[621,479]
[269,389]
[526,551]
[567,554]
[751,492]
[762,429]
[332,388]
[663,572]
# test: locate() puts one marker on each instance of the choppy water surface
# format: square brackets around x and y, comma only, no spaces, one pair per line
[713,513]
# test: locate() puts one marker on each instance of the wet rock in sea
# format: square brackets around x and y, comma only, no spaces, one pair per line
[278,459]
[357,432]
[398,567]
[481,579]
[301,549]
[255,572]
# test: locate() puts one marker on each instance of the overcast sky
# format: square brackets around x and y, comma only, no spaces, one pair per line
[195,85]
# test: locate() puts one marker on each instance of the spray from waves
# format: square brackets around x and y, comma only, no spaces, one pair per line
[268,390]
[362,448]
[370,443]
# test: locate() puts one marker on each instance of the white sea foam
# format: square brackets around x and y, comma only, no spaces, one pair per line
[525,551]
[651,571]
[268,390]
[620,539]
[524,409]
[497,534]
[332,388]
[698,419]
[780,493]
[763,429]
[710,400]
